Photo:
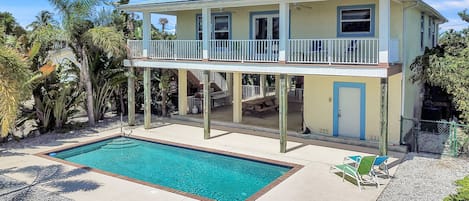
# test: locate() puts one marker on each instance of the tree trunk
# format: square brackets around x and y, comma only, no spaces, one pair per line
[88,88]
[164,94]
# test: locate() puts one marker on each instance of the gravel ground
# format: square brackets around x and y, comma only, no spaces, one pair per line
[425,177]
[14,190]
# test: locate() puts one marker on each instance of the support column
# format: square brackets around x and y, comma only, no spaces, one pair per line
[229,84]
[384,30]
[146,33]
[182,92]
[147,97]
[383,139]
[277,85]
[206,32]
[237,97]
[262,84]
[283,112]
[147,72]
[207,104]
[131,97]
[284,32]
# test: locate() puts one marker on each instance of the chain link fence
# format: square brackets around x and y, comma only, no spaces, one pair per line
[437,137]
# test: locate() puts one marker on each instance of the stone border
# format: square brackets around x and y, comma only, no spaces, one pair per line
[294,167]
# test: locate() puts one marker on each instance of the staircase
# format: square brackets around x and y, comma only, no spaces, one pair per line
[60,55]
[217,80]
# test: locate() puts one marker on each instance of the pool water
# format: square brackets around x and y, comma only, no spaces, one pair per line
[205,174]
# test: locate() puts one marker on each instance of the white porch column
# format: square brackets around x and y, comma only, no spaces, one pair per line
[182,91]
[206,31]
[262,83]
[207,104]
[284,17]
[384,30]
[237,97]
[229,84]
[146,33]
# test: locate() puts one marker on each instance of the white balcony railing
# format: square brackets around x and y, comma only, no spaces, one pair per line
[334,51]
[168,49]
[321,51]
[176,49]
[135,48]
[244,50]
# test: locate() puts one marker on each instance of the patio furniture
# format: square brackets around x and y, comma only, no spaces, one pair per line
[359,172]
[381,161]
[260,105]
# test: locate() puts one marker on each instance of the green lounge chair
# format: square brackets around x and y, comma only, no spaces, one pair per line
[364,168]
[380,161]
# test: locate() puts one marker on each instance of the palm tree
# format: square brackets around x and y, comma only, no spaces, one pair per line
[14,71]
[163,21]
[84,37]
[44,18]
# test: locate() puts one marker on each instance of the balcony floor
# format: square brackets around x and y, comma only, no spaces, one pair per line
[271,68]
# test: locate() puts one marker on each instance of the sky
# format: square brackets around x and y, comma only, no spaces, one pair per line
[25,11]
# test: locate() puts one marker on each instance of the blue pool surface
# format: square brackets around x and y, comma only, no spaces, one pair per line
[205,174]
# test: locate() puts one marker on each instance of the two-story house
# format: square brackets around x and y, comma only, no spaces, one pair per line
[354,56]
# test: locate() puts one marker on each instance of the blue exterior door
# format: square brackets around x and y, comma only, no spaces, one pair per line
[349,110]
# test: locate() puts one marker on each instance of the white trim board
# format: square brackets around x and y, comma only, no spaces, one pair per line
[265,68]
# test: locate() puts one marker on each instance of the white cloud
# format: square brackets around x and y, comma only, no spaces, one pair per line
[444,5]
[455,23]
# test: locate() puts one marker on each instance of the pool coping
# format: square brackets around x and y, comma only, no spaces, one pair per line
[294,167]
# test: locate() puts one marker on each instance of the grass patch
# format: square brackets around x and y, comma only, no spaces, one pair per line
[462,191]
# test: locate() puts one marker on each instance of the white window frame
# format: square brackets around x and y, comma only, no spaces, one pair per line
[199,30]
[340,21]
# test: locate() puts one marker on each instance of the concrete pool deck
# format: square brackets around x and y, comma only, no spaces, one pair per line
[313,182]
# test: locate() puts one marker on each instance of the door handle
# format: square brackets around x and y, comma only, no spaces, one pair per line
[339,114]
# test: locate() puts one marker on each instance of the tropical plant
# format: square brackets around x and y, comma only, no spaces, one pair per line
[43,19]
[59,97]
[85,37]
[462,191]
[10,26]
[447,66]
[14,73]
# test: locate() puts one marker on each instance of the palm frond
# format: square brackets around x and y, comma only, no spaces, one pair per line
[107,39]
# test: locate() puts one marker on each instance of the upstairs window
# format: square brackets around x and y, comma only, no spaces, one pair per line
[220,27]
[355,21]
[422,31]
[434,29]
[430,28]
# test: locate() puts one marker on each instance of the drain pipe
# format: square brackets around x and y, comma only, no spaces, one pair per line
[404,63]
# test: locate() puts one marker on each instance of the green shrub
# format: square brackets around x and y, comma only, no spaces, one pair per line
[463,191]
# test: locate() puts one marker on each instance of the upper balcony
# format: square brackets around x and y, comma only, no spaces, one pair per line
[361,51]
[326,32]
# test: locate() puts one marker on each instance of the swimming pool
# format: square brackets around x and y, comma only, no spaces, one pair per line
[217,176]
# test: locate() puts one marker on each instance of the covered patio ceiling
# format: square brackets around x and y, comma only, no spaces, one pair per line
[270,68]
[163,6]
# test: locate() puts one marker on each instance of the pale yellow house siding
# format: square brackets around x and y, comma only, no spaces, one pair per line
[412,102]
[319,96]
[311,20]
[394,108]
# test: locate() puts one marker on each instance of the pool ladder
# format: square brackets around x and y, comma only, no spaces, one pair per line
[122,128]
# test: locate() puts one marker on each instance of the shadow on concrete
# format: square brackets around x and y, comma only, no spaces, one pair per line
[5,153]
[54,176]
[297,147]
[220,135]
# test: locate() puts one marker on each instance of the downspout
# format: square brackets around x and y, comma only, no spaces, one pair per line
[404,64]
